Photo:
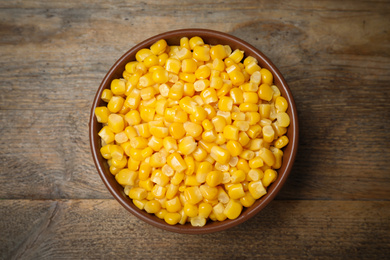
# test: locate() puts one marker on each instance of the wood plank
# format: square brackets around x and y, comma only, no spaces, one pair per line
[285,229]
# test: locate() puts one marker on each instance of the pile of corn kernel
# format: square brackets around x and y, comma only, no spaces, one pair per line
[193,132]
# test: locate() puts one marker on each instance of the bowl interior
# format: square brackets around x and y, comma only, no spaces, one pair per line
[210,37]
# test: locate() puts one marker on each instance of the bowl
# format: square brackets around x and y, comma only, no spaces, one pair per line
[211,37]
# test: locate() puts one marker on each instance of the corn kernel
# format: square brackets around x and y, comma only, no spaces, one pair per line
[283,119]
[220,155]
[193,195]
[107,135]
[201,53]
[173,65]
[256,189]
[268,133]
[233,209]
[237,95]
[218,212]
[266,76]
[230,132]
[214,178]
[172,218]
[265,92]
[115,104]
[193,129]
[236,191]
[234,147]
[267,156]
[137,193]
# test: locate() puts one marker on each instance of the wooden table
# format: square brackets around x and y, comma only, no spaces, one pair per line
[335,55]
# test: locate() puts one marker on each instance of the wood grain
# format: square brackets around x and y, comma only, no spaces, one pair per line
[55,229]
[335,56]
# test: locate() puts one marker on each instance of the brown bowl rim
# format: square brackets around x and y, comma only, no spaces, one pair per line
[210,37]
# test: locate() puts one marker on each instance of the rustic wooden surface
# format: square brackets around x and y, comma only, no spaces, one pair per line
[335,55]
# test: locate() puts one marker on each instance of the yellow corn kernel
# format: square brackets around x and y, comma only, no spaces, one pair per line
[195,41]
[115,104]
[209,136]
[278,157]
[139,203]
[230,132]
[170,144]
[102,114]
[236,77]
[136,154]
[201,53]
[176,130]
[193,129]
[107,135]
[255,163]
[176,162]
[202,72]
[219,123]
[177,178]
[248,107]
[201,84]
[218,52]
[254,131]
[268,133]
[156,143]
[144,171]
[280,131]
[160,76]
[133,118]
[209,95]
[150,61]
[147,113]
[243,138]
[133,164]
[238,176]
[198,221]
[234,147]
[255,175]
[187,77]
[208,192]
[106,95]
[218,65]
[265,92]
[173,205]
[162,59]
[252,117]
[242,164]
[216,82]
[283,119]
[190,180]
[133,99]
[219,154]
[161,213]
[105,151]
[173,65]
[172,191]
[159,191]
[233,209]
[121,137]
[199,154]
[193,195]
[139,142]
[142,54]
[247,155]
[247,200]
[188,105]
[237,95]
[267,156]
[224,90]
[242,125]
[159,131]
[252,67]
[152,206]
[190,210]
[210,111]
[281,104]
[176,91]
[137,193]
[236,191]
[183,53]
[126,177]
[187,145]
[256,189]
[159,47]
[172,218]
[225,104]
[146,184]
[218,212]
[238,116]
[188,66]
[204,209]
[214,178]
[269,177]
[189,160]
[118,87]
[266,76]
[207,125]
[237,55]
[199,113]
[281,142]
[251,97]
